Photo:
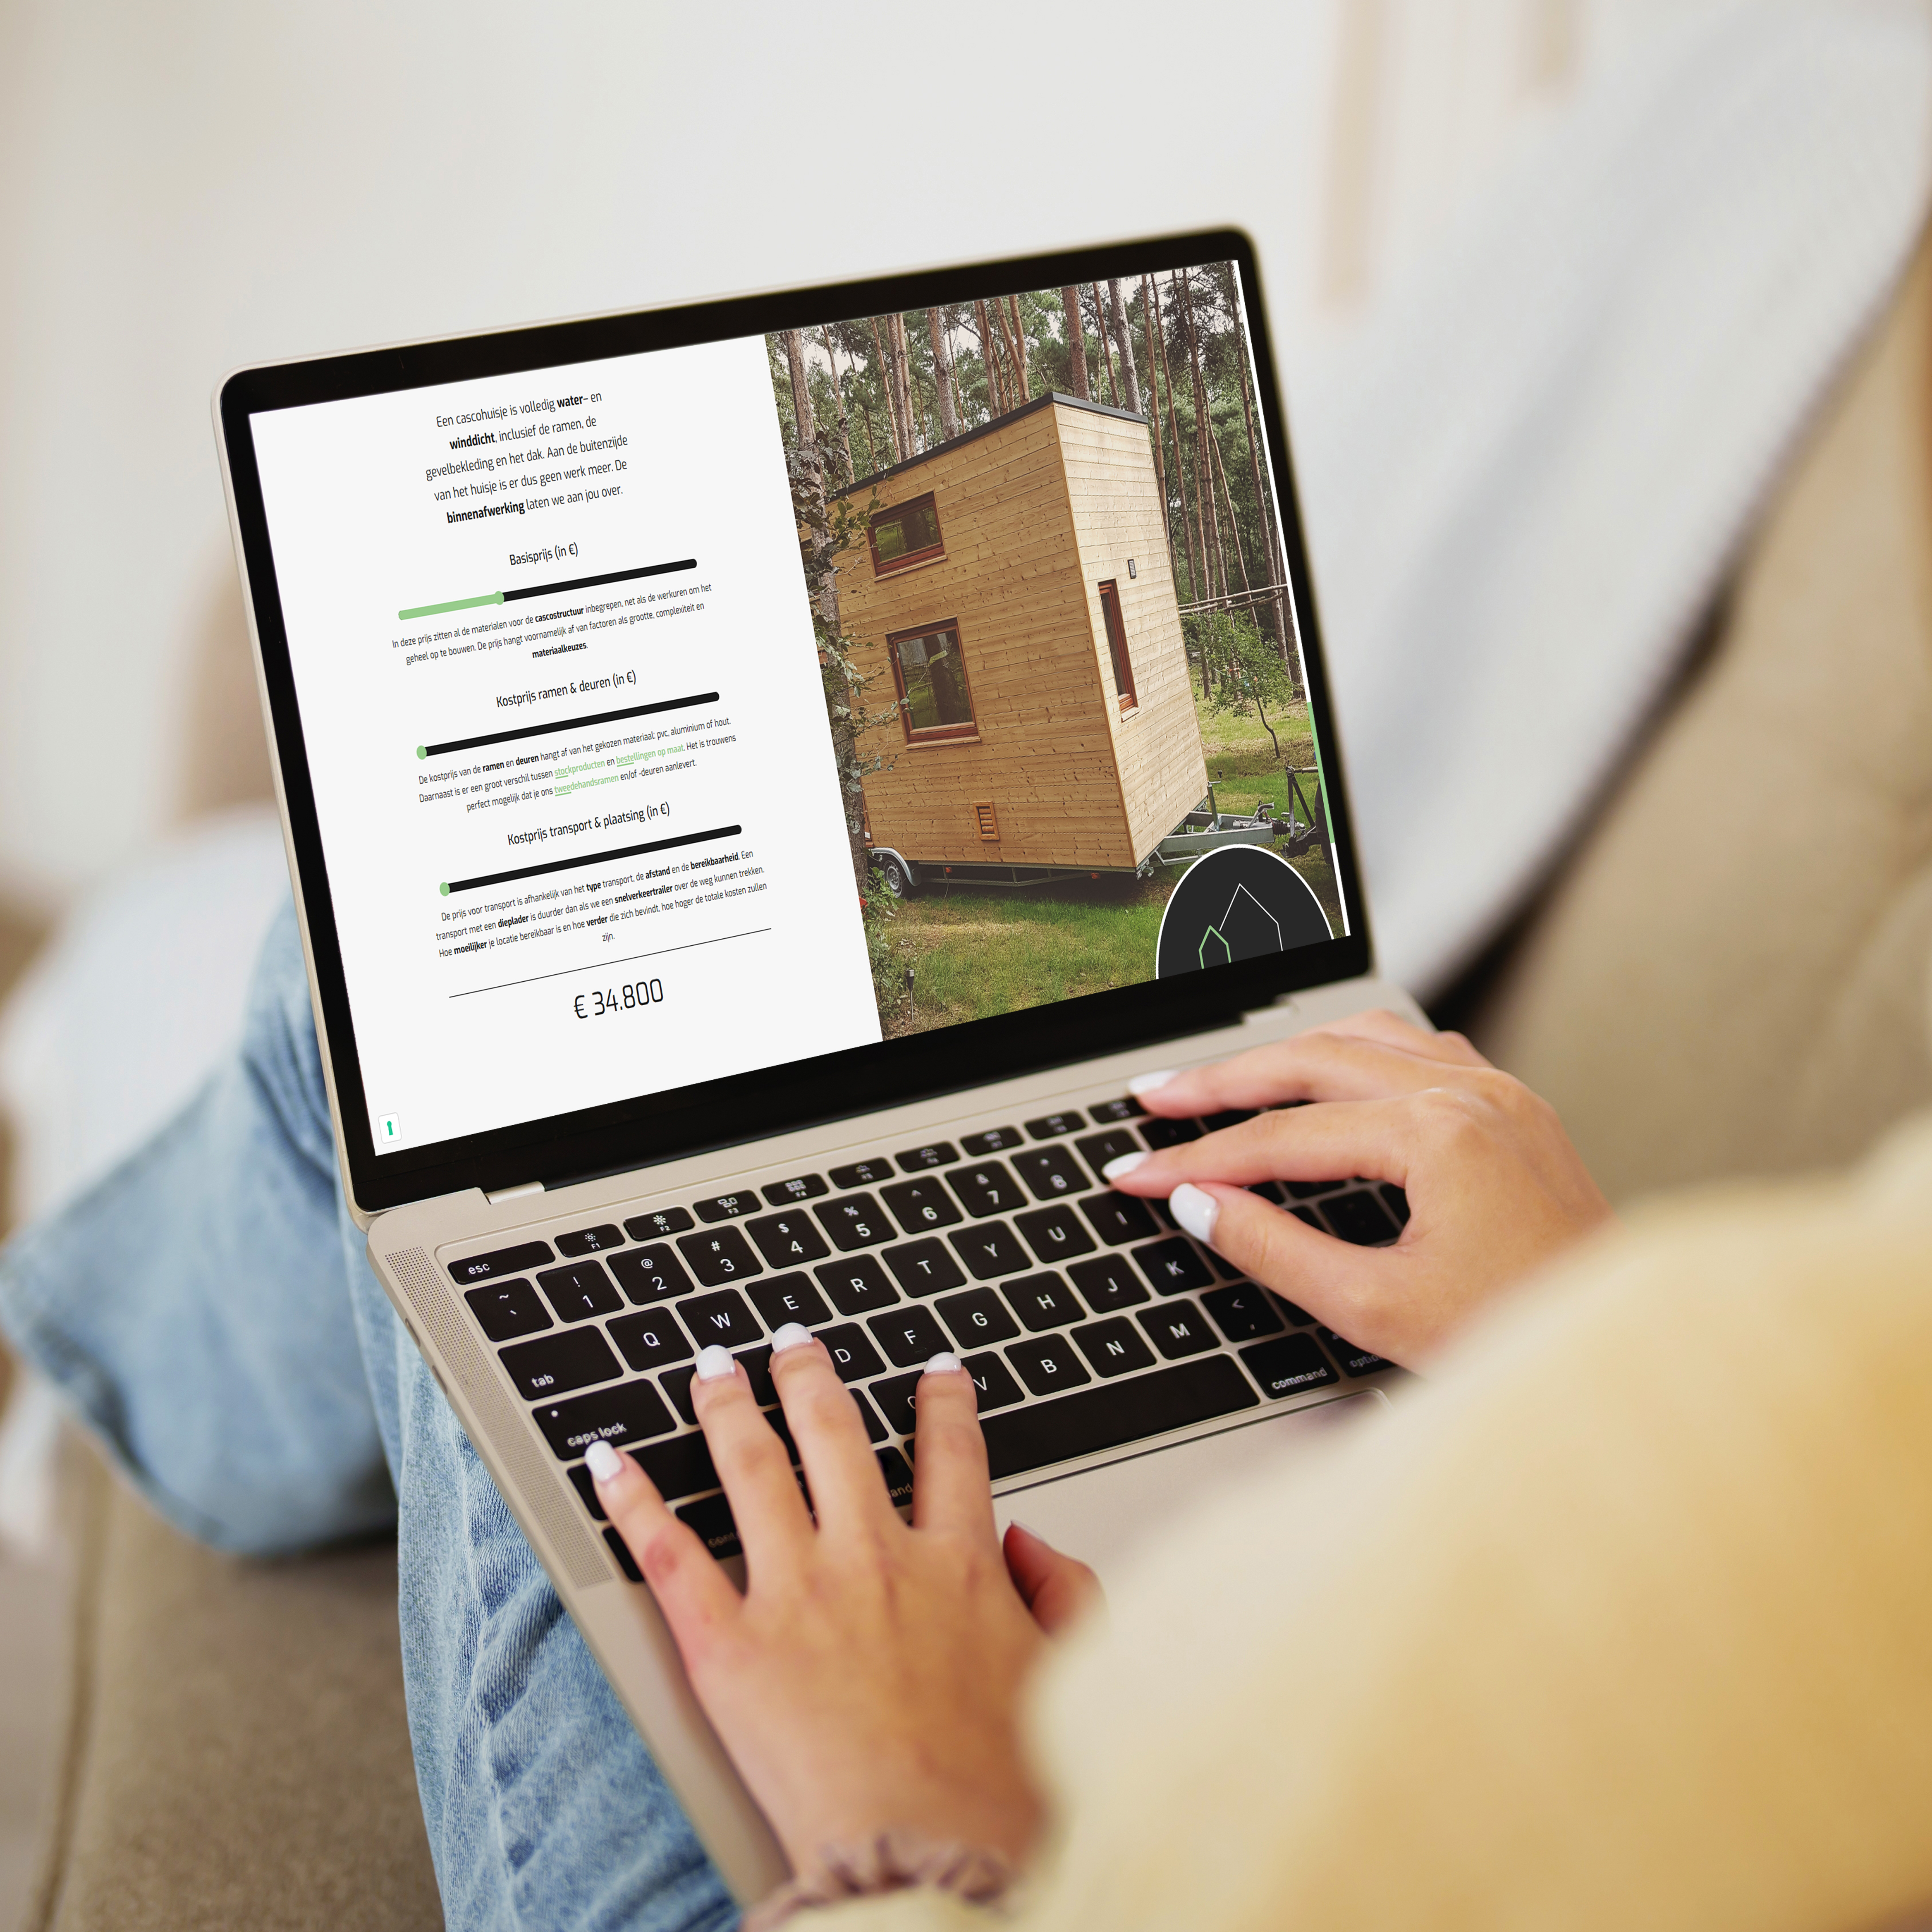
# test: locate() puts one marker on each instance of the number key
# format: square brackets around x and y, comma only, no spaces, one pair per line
[1052,1172]
[788,1240]
[855,1222]
[720,1256]
[920,1204]
[650,1274]
[988,1189]
[579,1291]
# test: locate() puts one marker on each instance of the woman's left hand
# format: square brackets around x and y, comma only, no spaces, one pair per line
[870,1675]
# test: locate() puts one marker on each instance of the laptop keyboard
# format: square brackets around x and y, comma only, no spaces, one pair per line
[1087,1320]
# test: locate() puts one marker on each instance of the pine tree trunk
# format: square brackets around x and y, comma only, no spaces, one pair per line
[1076,344]
[1124,341]
[838,396]
[812,476]
[1204,431]
[1106,348]
[996,401]
[1271,557]
[902,384]
[1234,523]
[1157,356]
[1154,418]
[1019,352]
[942,374]
[891,388]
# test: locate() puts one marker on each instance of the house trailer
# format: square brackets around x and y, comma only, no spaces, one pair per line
[1013,593]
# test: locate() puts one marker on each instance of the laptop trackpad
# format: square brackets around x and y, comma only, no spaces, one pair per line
[1100,1515]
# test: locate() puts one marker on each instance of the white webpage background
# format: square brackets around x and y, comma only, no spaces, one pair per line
[357,535]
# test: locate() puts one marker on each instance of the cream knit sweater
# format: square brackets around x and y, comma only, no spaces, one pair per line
[1624,1620]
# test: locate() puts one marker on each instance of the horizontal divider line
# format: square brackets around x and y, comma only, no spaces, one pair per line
[593,859]
[566,725]
[561,589]
[590,582]
[604,965]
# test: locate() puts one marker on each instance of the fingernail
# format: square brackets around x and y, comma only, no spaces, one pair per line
[1146,1083]
[1123,1163]
[1014,1522]
[603,1461]
[944,1363]
[715,1364]
[1193,1207]
[789,1335]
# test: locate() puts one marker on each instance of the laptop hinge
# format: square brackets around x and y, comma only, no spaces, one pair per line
[503,1194]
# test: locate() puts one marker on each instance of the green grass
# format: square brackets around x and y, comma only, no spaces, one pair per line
[975,952]
[1243,770]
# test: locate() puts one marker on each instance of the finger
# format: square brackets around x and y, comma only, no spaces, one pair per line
[1333,1141]
[1058,1589]
[773,1523]
[1324,1064]
[1391,1030]
[1333,1280]
[839,1465]
[951,1489]
[696,1596]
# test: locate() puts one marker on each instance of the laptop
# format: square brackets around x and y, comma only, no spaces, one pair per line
[760,778]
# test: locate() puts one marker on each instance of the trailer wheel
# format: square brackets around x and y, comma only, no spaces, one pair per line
[898,882]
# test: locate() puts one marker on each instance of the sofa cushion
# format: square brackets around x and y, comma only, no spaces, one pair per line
[239,1755]
[1731,975]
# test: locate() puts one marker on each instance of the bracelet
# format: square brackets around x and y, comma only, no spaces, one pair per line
[894,1861]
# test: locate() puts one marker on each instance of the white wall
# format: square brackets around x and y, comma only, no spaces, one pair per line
[209,183]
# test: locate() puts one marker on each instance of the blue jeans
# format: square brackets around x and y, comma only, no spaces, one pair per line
[209,1310]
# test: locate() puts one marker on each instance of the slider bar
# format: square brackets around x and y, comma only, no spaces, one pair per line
[592,859]
[565,725]
[569,583]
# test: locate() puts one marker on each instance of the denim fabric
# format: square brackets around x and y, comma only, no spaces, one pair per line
[209,1310]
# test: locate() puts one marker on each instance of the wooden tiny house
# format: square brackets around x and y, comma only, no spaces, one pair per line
[1013,590]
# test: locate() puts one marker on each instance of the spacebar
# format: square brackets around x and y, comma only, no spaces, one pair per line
[1114,1413]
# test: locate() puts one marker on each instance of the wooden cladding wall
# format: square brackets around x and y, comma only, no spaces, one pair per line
[1043,754]
[1034,515]
[1115,500]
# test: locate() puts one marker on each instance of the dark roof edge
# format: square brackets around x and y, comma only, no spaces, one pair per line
[985,429]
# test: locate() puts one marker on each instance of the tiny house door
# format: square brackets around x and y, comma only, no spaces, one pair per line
[1117,644]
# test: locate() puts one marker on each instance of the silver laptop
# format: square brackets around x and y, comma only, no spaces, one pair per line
[760,779]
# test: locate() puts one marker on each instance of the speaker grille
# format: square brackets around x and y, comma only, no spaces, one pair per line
[540,1485]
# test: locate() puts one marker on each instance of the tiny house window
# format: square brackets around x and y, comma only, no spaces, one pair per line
[908,533]
[1117,644]
[932,677]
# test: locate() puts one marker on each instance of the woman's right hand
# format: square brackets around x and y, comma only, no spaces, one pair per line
[1494,1188]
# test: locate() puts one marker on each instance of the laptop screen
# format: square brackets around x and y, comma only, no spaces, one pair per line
[684,713]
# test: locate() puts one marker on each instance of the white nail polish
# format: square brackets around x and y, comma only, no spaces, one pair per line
[1123,1163]
[715,1364]
[602,1461]
[790,1335]
[944,1363]
[1014,1522]
[1196,1210]
[1146,1083]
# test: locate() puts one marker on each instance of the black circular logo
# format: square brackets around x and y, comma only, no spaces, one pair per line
[1242,902]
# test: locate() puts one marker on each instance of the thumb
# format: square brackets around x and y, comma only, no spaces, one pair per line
[1059,1590]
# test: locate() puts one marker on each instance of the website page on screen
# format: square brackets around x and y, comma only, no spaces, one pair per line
[689,713]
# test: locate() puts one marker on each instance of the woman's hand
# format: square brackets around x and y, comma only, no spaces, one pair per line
[870,1675]
[1494,1188]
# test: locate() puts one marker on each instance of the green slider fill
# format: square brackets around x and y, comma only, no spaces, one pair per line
[461,604]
